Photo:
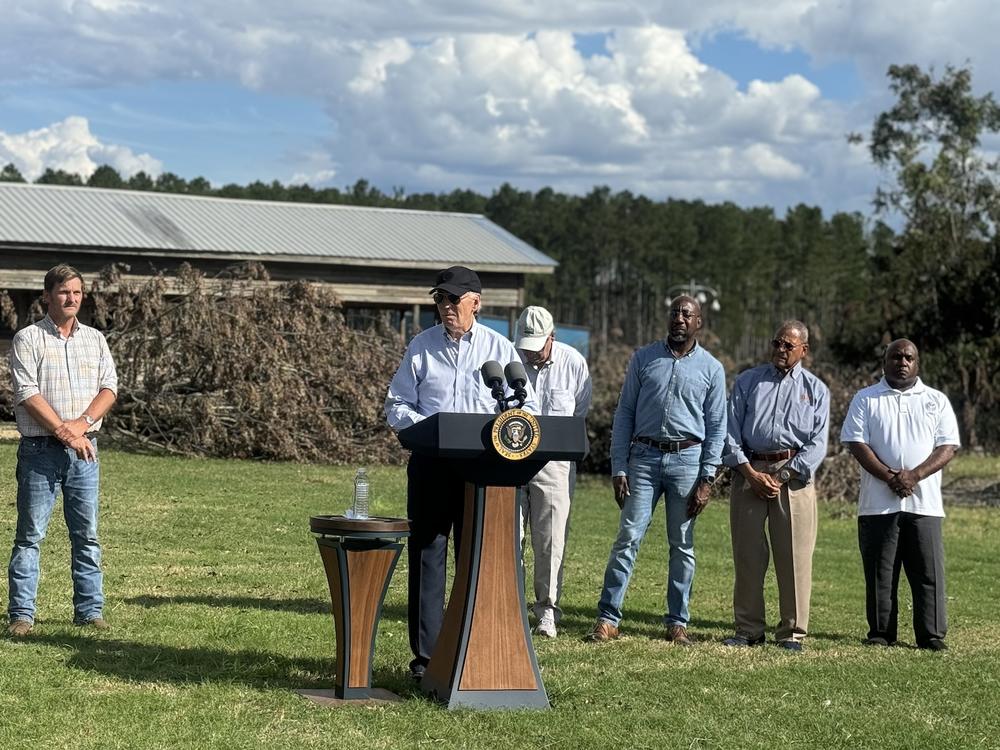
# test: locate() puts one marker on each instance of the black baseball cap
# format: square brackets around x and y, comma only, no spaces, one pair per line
[457,280]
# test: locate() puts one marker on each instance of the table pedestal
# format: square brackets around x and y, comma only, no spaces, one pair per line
[359,558]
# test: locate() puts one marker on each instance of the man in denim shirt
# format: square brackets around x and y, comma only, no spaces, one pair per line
[64,383]
[666,440]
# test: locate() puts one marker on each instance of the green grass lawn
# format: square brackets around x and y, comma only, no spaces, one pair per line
[219,610]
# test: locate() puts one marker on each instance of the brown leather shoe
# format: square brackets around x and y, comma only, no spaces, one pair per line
[98,623]
[603,631]
[19,628]
[678,634]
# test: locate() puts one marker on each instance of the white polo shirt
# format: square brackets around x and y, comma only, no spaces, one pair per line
[902,428]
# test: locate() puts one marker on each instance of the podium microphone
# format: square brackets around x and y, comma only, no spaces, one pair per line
[492,374]
[517,378]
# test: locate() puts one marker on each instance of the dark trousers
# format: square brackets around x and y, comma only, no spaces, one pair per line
[912,543]
[435,500]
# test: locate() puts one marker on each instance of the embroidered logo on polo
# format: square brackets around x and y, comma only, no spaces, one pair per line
[515,434]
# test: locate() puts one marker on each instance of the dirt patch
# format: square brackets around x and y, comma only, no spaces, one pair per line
[972,491]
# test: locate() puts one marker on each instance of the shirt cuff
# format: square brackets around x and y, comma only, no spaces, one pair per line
[23,394]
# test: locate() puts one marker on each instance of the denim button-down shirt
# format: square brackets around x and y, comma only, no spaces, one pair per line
[769,412]
[669,398]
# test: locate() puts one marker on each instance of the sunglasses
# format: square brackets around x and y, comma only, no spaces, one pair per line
[784,346]
[441,297]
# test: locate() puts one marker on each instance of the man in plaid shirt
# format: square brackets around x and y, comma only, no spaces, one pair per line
[64,383]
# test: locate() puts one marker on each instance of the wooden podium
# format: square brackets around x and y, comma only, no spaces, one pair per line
[484,657]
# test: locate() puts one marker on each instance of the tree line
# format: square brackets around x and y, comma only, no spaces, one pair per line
[857,282]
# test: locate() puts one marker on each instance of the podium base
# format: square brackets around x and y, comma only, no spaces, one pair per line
[487,699]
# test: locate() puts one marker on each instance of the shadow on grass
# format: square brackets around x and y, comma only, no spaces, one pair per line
[301,605]
[637,623]
[580,620]
[145,662]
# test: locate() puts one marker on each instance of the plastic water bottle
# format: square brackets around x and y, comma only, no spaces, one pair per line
[360,507]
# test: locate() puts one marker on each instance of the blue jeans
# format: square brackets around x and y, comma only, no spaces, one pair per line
[651,474]
[44,467]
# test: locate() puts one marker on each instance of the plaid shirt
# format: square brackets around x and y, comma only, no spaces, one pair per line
[67,372]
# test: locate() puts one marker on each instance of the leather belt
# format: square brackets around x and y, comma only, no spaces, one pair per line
[667,446]
[774,456]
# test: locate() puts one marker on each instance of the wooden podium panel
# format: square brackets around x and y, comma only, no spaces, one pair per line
[499,657]
[484,657]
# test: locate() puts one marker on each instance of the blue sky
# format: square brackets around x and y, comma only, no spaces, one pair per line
[715,100]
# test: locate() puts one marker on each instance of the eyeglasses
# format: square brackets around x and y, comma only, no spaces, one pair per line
[441,297]
[784,346]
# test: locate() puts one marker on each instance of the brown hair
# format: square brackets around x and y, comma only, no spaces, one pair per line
[60,275]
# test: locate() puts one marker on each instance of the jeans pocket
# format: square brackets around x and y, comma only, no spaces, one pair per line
[32,446]
[637,452]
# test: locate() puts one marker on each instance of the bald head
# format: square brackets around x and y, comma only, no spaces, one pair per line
[685,299]
[901,364]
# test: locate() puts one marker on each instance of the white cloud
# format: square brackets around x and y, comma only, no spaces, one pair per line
[468,93]
[69,145]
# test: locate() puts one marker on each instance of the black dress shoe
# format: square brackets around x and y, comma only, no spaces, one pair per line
[935,644]
[742,641]
[876,642]
[793,646]
[417,671]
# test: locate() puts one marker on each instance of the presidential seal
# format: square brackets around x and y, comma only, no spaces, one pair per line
[516,434]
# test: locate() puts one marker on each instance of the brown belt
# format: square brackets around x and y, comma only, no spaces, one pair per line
[775,456]
[667,446]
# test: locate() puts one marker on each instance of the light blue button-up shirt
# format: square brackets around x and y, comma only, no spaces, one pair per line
[669,398]
[769,412]
[438,374]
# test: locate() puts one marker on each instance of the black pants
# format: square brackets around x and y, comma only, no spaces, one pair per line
[435,500]
[913,543]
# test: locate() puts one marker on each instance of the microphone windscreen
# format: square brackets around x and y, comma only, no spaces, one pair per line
[516,375]
[492,373]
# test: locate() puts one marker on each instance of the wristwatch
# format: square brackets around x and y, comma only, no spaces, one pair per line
[89,420]
[785,474]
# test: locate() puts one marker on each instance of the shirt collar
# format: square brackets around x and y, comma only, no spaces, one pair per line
[917,387]
[794,373]
[468,335]
[666,345]
[54,329]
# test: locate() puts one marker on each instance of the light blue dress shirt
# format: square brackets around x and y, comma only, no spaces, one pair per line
[670,398]
[439,374]
[769,412]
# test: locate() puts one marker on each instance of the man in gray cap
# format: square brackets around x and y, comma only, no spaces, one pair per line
[561,380]
[440,373]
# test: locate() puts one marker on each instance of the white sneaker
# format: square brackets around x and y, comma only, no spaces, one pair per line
[546,626]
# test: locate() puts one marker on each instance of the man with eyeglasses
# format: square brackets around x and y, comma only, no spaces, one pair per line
[440,372]
[666,440]
[562,383]
[777,437]
[903,434]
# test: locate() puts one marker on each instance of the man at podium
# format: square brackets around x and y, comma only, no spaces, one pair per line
[440,372]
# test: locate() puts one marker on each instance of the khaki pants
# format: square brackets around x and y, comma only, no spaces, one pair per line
[544,505]
[790,523]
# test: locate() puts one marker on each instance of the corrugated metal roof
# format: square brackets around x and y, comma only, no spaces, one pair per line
[53,215]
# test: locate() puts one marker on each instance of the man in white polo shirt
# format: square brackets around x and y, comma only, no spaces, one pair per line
[902,433]
[560,377]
